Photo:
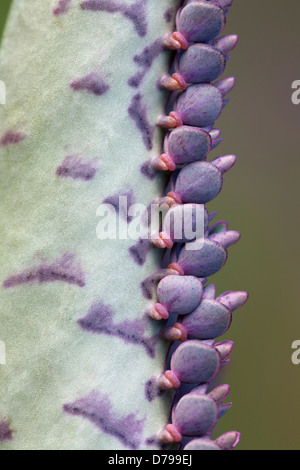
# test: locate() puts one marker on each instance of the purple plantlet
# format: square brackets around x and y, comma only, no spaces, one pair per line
[5,431]
[64,269]
[100,320]
[200,105]
[12,138]
[200,21]
[76,167]
[136,12]
[92,83]
[206,261]
[179,295]
[201,63]
[138,113]
[210,319]
[97,408]
[194,224]
[151,281]
[62,7]
[198,182]
[195,414]
[184,145]
[193,362]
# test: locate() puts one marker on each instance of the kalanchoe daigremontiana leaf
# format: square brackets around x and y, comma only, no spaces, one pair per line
[85,89]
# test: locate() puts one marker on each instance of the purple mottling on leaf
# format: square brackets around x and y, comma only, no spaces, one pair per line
[92,83]
[140,250]
[100,320]
[155,441]
[77,168]
[147,286]
[137,112]
[148,170]
[65,269]
[147,56]
[152,390]
[136,12]
[169,14]
[121,202]
[12,138]
[145,60]
[97,408]
[62,7]
[136,80]
[5,431]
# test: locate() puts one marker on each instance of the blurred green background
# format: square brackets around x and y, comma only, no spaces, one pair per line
[260,198]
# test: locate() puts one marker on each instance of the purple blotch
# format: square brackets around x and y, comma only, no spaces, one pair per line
[147,286]
[137,112]
[62,7]
[92,83]
[12,138]
[145,60]
[77,168]
[136,80]
[5,431]
[152,391]
[169,14]
[140,250]
[100,320]
[135,12]
[65,269]
[114,200]
[154,440]
[148,170]
[97,408]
